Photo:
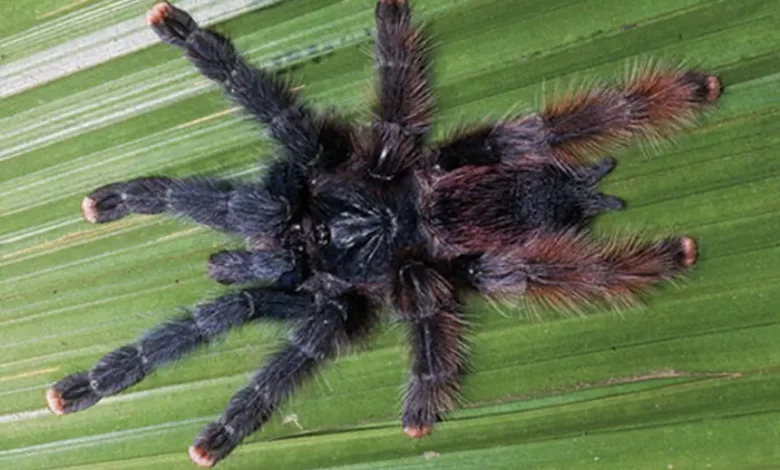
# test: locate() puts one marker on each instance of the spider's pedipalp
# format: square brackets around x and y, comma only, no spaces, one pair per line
[128,365]
[243,267]
[326,326]
[566,270]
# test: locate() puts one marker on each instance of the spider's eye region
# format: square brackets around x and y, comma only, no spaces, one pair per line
[295,238]
[322,234]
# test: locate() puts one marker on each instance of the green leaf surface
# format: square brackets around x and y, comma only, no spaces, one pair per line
[689,381]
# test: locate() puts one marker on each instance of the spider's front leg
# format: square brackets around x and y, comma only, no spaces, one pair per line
[334,320]
[652,103]
[427,301]
[566,269]
[306,137]
[248,210]
[129,364]
[404,108]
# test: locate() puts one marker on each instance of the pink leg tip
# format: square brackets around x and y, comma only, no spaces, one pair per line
[89,210]
[714,88]
[200,457]
[157,13]
[55,402]
[689,251]
[417,432]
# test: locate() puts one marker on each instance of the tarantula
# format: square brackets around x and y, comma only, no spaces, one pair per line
[352,220]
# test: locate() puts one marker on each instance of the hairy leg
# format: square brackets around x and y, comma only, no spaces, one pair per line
[491,144]
[652,103]
[404,109]
[248,210]
[306,137]
[426,300]
[566,270]
[330,324]
[129,364]
[243,267]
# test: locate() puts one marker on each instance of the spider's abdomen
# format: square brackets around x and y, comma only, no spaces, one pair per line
[364,229]
[546,198]
[473,209]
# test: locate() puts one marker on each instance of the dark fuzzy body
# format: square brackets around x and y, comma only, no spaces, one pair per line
[352,220]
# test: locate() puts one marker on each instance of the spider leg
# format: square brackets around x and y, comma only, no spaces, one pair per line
[427,301]
[129,364]
[491,144]
[402,115]
[306,137]
[248,210]
[333,321]
[566,269]
[651,104]
[243,267]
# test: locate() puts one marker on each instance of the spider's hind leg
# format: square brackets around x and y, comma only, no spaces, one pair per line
[567,270]
[652,103]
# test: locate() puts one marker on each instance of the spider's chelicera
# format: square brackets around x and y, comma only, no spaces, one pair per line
[353,220]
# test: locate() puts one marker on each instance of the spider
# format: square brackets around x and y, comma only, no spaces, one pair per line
[350,221]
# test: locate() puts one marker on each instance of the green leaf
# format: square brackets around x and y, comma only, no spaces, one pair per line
[691,381]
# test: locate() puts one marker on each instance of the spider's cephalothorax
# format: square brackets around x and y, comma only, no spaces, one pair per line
[353,220]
